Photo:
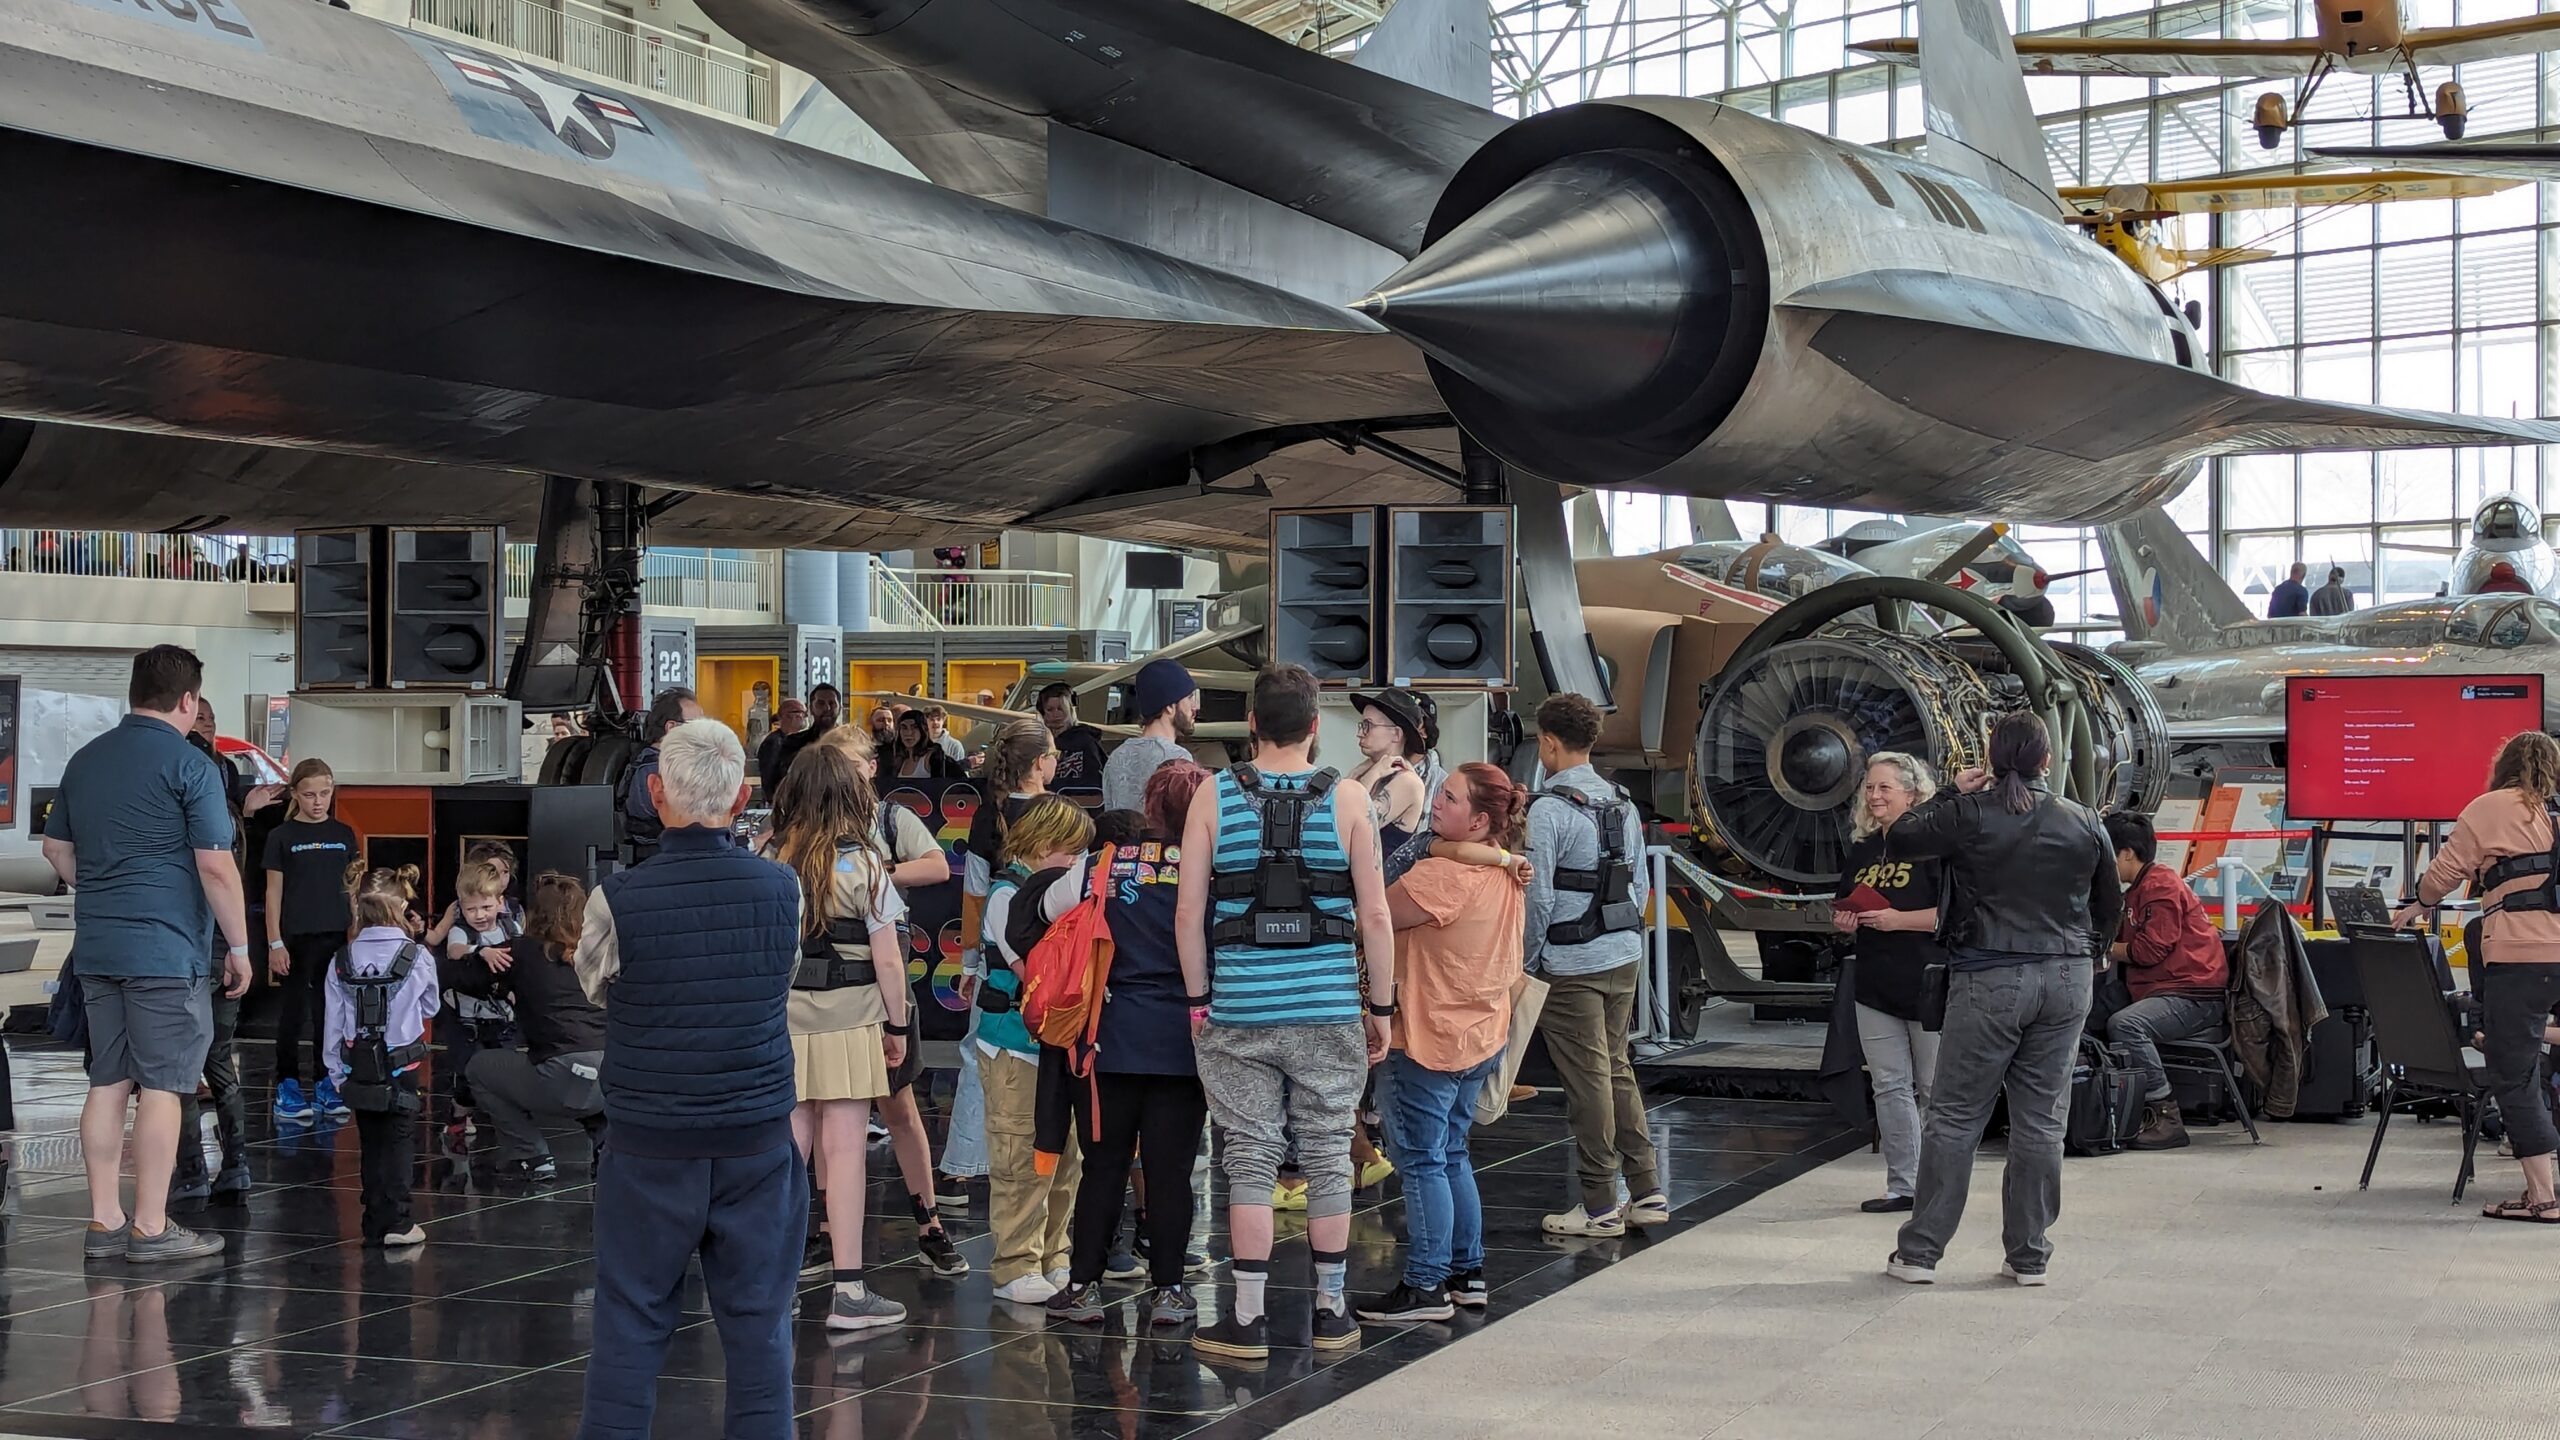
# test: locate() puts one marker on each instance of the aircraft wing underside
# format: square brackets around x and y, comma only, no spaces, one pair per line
[2502,160]
[1358,150]
[810,331]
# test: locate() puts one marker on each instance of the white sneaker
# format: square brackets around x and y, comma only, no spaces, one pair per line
[2023,1277]
[1653,1209]
[1058,1278]
[1032,1289]
[414,1235]
[1575,1222]
[1910,1272]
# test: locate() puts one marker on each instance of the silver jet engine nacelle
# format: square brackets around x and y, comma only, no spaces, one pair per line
[1676,295]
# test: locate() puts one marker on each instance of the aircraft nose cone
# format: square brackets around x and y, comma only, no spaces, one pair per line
[1598,316]
[1578,286]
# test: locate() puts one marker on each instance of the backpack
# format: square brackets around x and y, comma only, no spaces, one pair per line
[2106,1105]
[1062,975]
[374,1064]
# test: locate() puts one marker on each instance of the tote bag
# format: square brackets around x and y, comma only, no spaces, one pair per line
[1528,999]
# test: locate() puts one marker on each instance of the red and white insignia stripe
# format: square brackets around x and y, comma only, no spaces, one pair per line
[477,72]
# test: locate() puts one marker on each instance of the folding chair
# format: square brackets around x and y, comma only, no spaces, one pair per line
[2214,1056]
[2420,1046]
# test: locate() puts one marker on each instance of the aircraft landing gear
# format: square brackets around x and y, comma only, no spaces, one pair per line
[2271,120]
[581,645]
[2271,117]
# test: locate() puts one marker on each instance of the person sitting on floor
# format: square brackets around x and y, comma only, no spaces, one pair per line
[2174,970]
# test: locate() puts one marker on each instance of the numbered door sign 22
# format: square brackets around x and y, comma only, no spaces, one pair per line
[671,667]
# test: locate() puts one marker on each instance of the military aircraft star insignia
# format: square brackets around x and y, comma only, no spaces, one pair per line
[584,120]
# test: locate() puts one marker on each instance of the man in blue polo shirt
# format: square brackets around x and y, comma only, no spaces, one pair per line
[142,833]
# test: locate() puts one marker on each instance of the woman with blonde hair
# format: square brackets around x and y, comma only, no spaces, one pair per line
[915,858]
[2503,846]
[848,1029]
[1890,908]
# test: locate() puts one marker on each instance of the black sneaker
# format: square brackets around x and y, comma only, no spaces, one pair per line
[1335,1329]
[1405,1303]
[1233,1339]
[1172,1305]
[1469,1290]
[817,1256]
[950,1191]
[541,1167]
[939,1253]
[1079,1303]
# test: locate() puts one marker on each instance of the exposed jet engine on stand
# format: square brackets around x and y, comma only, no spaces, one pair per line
[1784,738]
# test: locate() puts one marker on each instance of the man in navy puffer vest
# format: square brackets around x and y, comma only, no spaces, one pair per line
[691,954]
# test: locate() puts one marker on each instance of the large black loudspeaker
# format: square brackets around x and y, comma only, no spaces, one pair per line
[1324,592]
[334,622]
[446,589]
[1449,596]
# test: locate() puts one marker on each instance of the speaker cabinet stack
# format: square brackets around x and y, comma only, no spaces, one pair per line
[1324,592]
[1419,595]
[446,589]
[1449,595]
[333,609]
[400,608]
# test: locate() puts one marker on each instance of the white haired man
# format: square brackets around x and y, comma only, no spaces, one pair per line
[691,952]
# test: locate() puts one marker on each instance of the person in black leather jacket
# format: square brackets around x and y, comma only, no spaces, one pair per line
[2032,901]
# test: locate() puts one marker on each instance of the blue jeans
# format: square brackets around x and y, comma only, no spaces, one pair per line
[1428,1117]
[964,1147]
[745,1216]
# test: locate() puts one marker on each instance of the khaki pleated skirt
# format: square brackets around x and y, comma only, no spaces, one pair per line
[835,1044]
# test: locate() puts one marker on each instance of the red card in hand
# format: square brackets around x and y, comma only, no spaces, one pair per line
[1861,900]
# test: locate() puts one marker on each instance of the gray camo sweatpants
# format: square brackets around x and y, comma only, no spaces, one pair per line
[1326,1067]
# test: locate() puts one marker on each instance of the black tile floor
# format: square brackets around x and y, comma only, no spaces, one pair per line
[484,1331]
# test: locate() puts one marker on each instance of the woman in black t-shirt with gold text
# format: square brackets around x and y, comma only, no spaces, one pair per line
[1895,942]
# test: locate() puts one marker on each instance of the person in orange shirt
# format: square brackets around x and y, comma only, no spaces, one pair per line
[1458,954]
[2516,973]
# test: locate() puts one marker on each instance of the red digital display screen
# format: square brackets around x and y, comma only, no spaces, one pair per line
[2398,747]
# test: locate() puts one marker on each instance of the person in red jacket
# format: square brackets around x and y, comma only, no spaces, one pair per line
[2175,970]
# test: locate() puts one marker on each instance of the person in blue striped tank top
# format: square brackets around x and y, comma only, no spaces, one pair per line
[1279,937]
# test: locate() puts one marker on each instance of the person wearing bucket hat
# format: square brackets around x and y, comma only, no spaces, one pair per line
[1167,701]
[1398,729]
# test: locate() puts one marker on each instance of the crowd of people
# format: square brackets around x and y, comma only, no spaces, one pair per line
[724,1018]
[1289,947]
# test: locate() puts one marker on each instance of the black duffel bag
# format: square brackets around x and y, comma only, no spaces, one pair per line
[2106,1102]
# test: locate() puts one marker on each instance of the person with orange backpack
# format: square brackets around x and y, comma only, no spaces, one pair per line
[1134,1088]
[1027,1209]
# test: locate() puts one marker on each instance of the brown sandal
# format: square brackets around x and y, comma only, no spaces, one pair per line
[2539,1212]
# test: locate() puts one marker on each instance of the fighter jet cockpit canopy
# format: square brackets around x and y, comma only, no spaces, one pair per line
[2507,517]
[1773,568]
[2485,622]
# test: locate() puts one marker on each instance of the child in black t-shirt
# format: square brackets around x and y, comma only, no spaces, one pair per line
[306,861]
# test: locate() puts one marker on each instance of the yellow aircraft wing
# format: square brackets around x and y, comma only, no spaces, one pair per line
[2217,194]
[2489,40]
[2145,55]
